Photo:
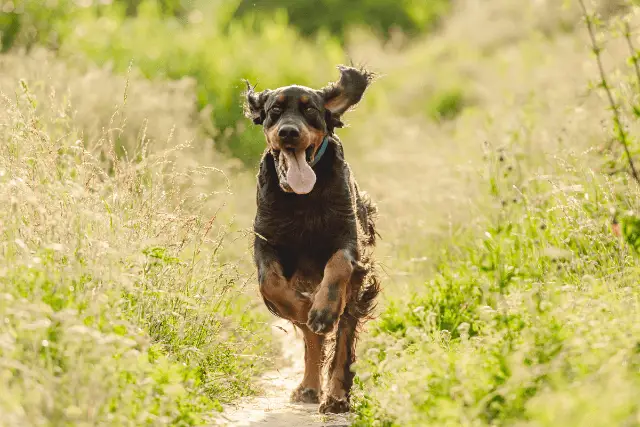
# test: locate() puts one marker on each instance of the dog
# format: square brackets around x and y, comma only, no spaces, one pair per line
[314,230]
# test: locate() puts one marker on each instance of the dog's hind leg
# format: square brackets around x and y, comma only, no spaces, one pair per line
[310,389]
[340,374]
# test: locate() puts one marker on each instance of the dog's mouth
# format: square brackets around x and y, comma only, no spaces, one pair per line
[294,170]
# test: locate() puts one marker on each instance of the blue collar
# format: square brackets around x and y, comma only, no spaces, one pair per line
[321,150]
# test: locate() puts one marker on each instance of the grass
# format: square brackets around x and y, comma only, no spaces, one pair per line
[521,308]
[510,296]
[539,304]
[117,308]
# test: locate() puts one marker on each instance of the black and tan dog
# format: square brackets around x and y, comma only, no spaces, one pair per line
[314,230]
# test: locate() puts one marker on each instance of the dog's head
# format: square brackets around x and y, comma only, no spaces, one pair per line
[296,119]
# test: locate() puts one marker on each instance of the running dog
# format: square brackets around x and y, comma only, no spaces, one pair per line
[314,229]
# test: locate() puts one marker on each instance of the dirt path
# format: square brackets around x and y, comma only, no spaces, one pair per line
[273,409]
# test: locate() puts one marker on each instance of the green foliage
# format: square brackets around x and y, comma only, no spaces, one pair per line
[27,22]
[528,316]
[218,44]
[631,231]
[217,53]
[168,7]
[337,16]
[446,105]
[501,322]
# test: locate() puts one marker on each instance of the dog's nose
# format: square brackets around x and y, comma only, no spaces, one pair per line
[288,133]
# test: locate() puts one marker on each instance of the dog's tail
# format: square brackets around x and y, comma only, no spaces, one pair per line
[365,302]
[368,214]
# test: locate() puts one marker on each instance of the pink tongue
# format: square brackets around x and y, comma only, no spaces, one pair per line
[300,176]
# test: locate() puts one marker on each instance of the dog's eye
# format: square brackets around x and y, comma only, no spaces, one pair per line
[276,111]
[309,110]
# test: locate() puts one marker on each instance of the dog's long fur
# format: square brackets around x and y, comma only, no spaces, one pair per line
[301,240]
[317,224]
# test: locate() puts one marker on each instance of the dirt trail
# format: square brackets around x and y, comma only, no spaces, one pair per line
[273,409]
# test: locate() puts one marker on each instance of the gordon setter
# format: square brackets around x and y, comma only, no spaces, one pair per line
[314,229]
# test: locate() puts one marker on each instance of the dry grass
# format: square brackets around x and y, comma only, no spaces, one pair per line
[508,299]
[475,212]
[117,308]
[522,99]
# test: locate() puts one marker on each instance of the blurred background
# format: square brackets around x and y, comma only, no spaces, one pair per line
[273,43]
[216,42]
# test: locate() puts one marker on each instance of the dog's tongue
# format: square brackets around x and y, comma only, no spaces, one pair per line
[300,176]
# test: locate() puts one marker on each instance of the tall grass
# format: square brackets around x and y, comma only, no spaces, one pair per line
[523,308]
[507,226]
[117,307]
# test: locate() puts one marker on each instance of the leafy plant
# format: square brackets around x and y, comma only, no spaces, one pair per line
[446,105]
[380,15]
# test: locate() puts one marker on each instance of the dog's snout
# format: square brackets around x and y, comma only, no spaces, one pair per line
[289,133]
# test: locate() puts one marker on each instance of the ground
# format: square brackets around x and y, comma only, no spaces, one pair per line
[272,408]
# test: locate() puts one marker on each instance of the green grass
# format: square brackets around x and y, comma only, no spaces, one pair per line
[116,307]
[540,305]
[526,311]
[509,299]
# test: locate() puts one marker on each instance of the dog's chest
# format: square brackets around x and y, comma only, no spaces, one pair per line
[303,225]
[315,224]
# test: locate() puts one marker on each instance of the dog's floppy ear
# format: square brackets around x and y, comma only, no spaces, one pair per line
[254,104]
[346,92]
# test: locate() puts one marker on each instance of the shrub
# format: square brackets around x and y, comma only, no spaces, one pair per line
[379,15]
[446,105]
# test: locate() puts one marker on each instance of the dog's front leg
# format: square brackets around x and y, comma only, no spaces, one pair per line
[331,297]
[278,293]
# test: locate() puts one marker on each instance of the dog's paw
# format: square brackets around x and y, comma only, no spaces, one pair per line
[305,395]
[333,405]
[322,321]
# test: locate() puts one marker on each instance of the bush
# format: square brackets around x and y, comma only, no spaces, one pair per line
[336,17]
